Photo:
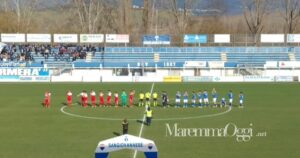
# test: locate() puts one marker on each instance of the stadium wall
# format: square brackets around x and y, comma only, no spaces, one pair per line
[161,75]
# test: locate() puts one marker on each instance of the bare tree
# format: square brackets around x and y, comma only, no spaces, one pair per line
[182,17]
[23,12]
[254,14]
[5,6]
[146,17]
[88,12]
[291,14]
[126,16]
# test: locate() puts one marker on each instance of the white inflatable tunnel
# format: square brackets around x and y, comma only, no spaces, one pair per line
[126,142]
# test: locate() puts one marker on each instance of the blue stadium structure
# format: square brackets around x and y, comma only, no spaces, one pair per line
[157,56]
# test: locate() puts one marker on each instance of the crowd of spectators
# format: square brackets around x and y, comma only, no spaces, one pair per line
[28,52]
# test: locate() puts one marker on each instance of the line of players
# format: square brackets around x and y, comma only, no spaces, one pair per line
[203,99]
[108,101]
[200,99]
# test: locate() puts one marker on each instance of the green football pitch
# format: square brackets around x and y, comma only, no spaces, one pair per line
[28,130]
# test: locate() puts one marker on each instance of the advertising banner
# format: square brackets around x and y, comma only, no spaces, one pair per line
[193,38]
[293,38]
[91,38]
[289,64]
[9,78]
[24,72]
[12,64]
[271,64]
[65,38]
[13,38]
[117,38]
[272,38]
[198,79]
[172,79]
[222,38]
[157,40]
[216,64]
[228,79]
[196,64]
[34,78]
[259,79]
[284,78]
[39,38]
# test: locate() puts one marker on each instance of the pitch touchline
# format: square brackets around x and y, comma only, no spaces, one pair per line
[62,109]
[144,117]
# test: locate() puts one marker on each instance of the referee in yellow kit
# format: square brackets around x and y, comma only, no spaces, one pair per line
[149,114]
[148,96]
[154,96]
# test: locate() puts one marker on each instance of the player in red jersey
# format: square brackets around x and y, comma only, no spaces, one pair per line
[108,99]
[47,99]
[131,98]
[93,98]
[84,98]
[101,97]
[69,98]
[116,99]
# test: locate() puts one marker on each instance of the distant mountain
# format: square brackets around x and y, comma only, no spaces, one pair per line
[226,6]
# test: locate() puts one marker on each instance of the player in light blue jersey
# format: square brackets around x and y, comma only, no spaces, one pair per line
[194,98]
[205,98]
[241,96]
[178,99]
[230,96]
[215,97]
[185,99]
[223,102]
[200,97]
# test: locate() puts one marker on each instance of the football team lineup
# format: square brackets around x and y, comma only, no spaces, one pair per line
[199,99]
[204,95]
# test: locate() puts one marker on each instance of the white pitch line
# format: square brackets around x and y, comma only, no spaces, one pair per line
[144,118]
[62,109]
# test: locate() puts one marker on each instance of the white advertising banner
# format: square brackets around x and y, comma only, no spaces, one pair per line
[289,64]
[272,38]
[65,38]
[284,78]
[222,38]
[216,64]
[258,79]
[13,38]
[195,64]
[228,79]
[39,38]
[91,38]
[271,64]
[293,38]
[117,79]
[117,38]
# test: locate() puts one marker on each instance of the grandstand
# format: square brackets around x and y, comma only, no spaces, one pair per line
[253,56]
[156,57]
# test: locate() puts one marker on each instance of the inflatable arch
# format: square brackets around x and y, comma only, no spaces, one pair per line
[126,142]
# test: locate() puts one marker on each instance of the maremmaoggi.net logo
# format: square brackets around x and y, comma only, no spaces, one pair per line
[229,130]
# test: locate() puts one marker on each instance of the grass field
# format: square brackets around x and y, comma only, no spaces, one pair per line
[30,131]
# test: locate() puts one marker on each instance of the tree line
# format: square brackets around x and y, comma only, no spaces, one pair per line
[155,17]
